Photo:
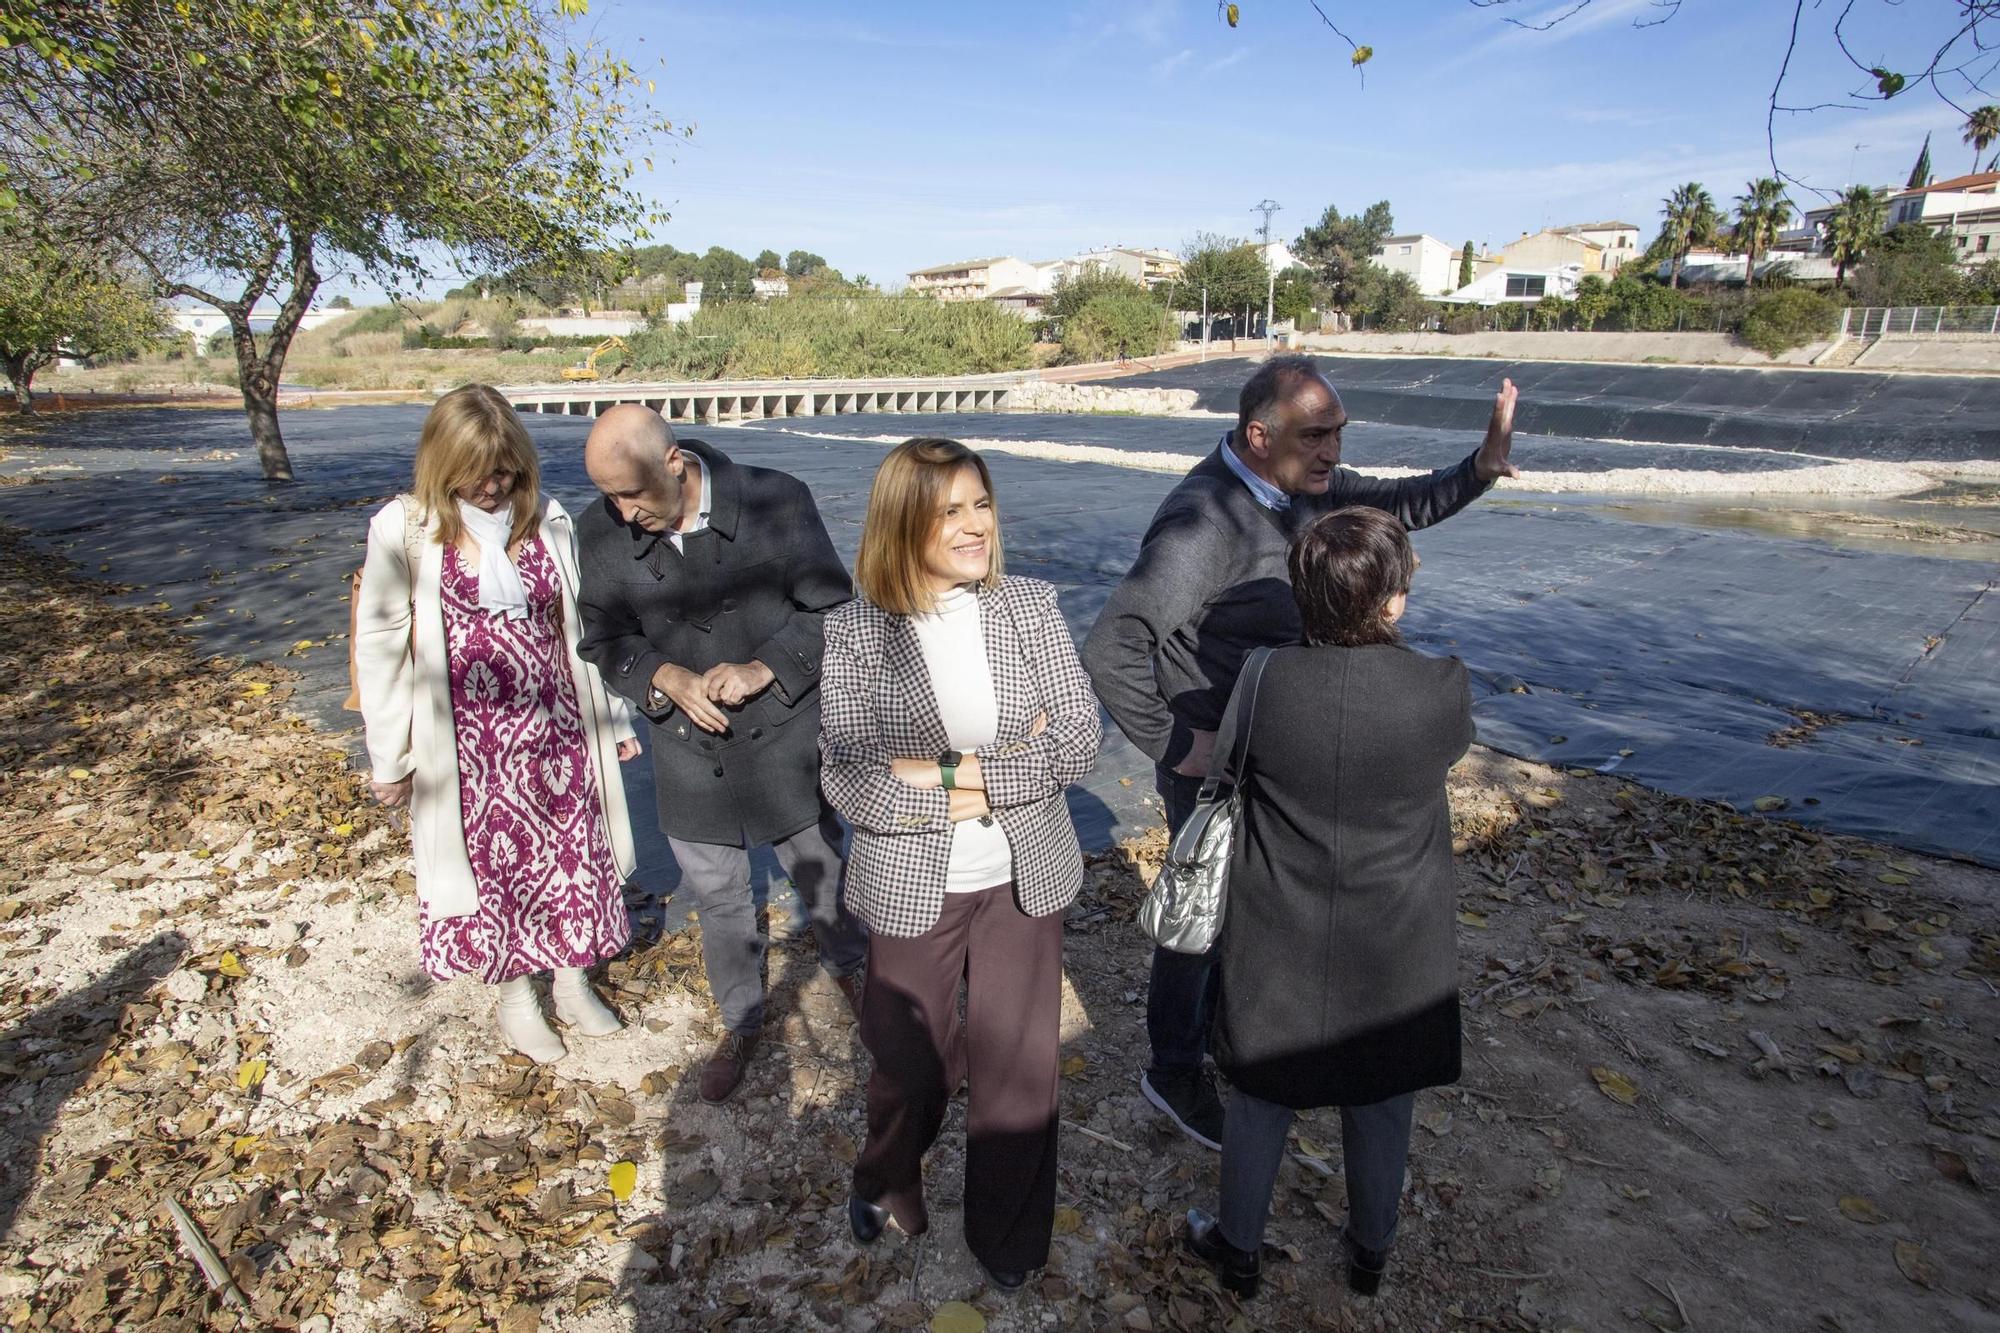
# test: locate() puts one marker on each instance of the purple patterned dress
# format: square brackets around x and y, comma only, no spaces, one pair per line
[549,891]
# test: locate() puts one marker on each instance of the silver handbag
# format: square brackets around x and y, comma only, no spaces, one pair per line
[1184,910]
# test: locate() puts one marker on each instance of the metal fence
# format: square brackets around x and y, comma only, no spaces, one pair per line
[1920,321]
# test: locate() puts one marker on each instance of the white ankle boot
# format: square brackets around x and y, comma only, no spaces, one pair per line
[522,1024]
[578,1006]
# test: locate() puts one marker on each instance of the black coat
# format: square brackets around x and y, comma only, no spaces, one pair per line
[1339,963]
[755,585]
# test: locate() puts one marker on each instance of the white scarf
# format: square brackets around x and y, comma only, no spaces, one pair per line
[500,588]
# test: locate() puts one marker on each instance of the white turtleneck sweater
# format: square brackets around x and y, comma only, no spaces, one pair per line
[955,655]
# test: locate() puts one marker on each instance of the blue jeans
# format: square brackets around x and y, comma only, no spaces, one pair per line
[1180,998]
[1374,1147]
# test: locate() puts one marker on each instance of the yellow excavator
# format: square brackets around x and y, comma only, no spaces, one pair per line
[588,370]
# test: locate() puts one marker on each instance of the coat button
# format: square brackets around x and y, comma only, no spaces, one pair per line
[718,770]
[756,733]
[707,744]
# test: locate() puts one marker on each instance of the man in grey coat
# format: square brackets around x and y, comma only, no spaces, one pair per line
[704,587]
[1210,584]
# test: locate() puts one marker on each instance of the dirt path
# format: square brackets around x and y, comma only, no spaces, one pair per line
[1721,1072]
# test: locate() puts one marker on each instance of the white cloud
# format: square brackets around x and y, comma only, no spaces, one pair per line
[1165,68]
[1236,57]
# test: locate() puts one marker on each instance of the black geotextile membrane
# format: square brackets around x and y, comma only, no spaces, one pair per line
[1847,414]
[1589,634]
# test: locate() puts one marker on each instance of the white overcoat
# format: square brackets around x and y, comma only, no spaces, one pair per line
[400,664]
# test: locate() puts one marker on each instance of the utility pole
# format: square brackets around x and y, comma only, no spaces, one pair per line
[1204,322]
[1267,207]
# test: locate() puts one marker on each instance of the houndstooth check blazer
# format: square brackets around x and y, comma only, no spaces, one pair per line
[876,705]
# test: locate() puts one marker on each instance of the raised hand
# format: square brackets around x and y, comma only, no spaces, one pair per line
[1494,459]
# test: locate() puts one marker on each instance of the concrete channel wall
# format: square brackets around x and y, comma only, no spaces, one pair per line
[762,400]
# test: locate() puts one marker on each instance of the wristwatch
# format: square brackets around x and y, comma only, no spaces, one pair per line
[948,763]
[656,699]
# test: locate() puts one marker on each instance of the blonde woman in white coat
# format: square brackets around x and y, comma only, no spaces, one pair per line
[480,715]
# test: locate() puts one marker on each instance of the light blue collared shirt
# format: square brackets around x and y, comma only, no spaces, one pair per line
[1263,491]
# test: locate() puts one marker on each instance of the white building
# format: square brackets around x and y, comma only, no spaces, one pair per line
[975,279]
[1429,262]
[1511,284]
[1966,209]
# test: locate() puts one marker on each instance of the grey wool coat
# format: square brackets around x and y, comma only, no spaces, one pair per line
[1338,952]
[755,585]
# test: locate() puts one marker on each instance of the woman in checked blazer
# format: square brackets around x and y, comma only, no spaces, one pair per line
[954,712]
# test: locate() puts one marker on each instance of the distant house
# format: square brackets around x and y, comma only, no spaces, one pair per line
[1553,249]
[1618,241]
[974,279]
[1965,209]
[1429,262]
[1023,301]
[1518,284]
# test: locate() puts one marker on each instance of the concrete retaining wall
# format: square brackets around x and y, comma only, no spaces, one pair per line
[1708,349]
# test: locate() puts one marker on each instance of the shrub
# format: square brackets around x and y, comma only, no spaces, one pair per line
[835,337]
[1115,322]
[376,319]
[1792,317]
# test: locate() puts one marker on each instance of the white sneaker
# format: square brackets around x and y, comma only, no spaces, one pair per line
[577,1005]
[522,1024]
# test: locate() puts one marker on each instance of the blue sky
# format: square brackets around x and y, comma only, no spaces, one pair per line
[896,135]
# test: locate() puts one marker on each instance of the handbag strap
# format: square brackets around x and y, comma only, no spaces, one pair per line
[1232,734]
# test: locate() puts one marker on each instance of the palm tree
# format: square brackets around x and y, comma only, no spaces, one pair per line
[1855,225]
[1691,221]
[1982,127]
[1760,215]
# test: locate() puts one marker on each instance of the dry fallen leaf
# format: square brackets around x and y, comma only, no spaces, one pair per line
[1068,1221]
[957,1317]
[1615,1085]
[1859,1209]
[1915,1264]
[250,1073]
[624,1176]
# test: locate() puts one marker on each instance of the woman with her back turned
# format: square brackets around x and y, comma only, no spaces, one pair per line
[1339,963]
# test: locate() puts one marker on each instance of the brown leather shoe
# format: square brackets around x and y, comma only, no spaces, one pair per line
[722,1072]
[851,986]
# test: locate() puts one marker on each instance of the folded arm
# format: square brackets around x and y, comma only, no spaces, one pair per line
[1062,751]
[854,764]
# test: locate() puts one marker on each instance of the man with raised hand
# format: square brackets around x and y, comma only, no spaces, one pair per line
[704,587]
[1211,584]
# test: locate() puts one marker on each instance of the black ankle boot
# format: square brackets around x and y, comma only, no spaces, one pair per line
[1239,1271]
[866,1218]
[1364,1266]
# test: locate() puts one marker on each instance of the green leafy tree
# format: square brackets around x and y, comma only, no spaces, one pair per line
[1854,225]
[1982,127]
[1761,213]
[1295,296]
[1911,265]
[1593,299]
[1338,247]
[1112,324]
[768,263]
[233,147]
[1465,265]
[1920,170]
[65,297]
[725,276]
[1073,292]
[1232,272]
[1691,220]
[340,303]
[803,264]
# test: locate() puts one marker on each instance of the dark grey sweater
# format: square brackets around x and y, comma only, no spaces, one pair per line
[1210,584]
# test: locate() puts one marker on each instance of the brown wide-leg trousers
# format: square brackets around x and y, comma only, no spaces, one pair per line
[1005,1050]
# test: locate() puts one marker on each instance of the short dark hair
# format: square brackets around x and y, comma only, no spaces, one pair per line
[1345,568]
[1263,390]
